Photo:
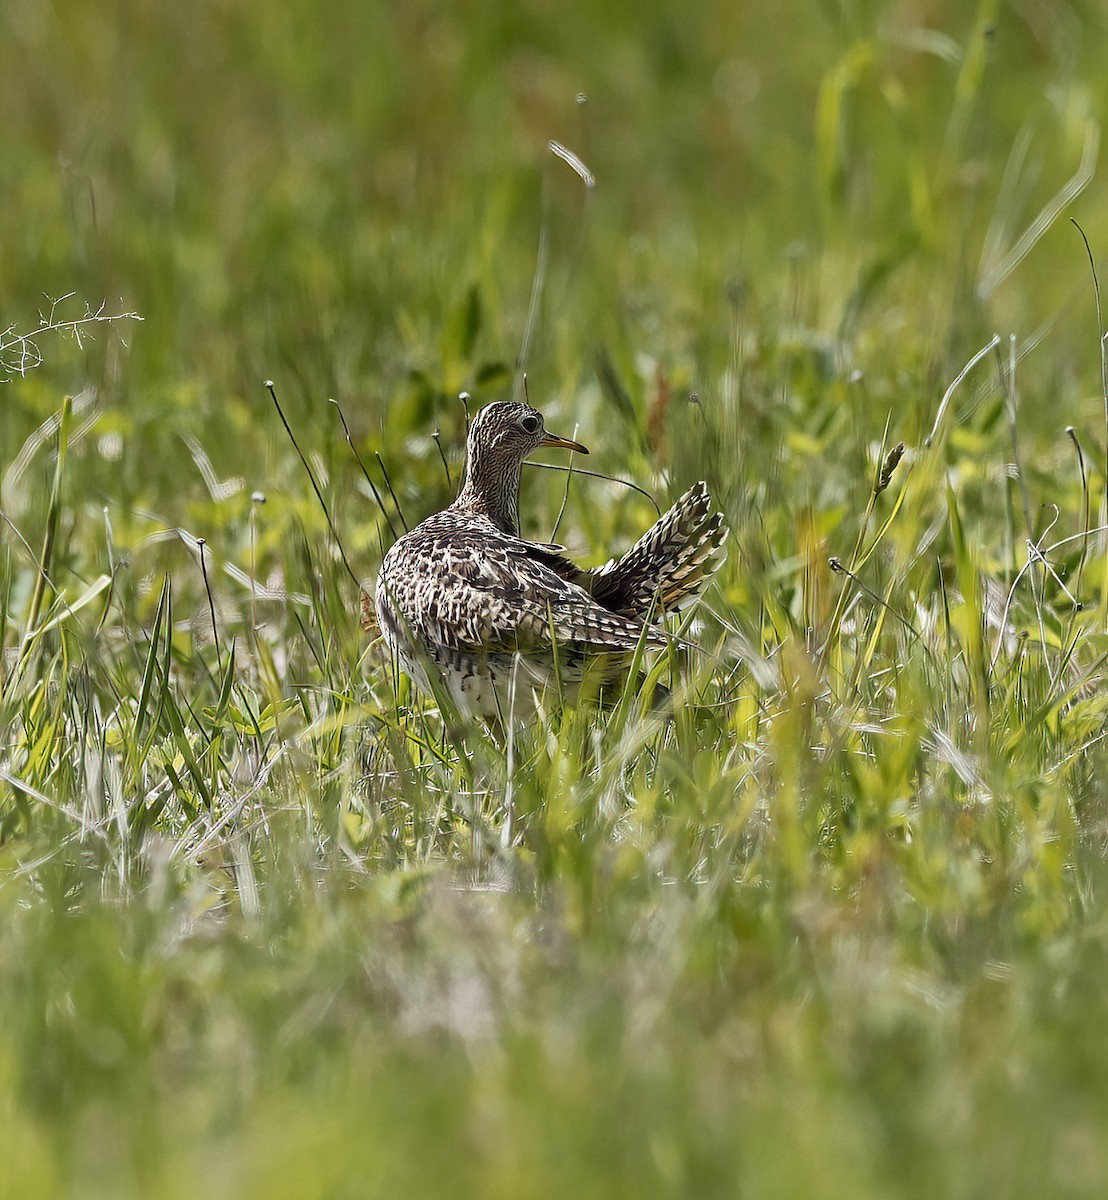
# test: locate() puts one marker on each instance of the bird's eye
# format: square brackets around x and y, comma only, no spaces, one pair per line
[530,424]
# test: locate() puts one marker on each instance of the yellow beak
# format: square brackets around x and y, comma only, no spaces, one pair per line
[564,443]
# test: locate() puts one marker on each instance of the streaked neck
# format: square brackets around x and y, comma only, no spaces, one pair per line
[491,488]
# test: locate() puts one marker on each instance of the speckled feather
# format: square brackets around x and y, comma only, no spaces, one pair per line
[669,564]
[459,582]
[463,596]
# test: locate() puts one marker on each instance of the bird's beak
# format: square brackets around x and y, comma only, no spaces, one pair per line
[564,443]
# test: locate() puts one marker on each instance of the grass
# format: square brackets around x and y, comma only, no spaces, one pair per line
[275,926]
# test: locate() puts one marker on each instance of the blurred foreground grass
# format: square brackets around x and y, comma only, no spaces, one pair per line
[836,927]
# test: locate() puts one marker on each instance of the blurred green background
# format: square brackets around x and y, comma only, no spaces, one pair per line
[312,194]
[251,946]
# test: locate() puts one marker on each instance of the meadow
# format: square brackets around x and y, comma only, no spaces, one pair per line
[835,922]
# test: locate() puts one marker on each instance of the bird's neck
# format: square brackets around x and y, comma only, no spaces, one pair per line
[491,489]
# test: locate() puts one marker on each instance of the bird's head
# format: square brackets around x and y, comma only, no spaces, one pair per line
[508,431]
[501,437]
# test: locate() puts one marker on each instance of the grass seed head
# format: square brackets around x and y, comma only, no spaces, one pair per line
[891,460]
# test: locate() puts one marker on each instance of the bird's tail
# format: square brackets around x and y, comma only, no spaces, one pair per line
[669,564]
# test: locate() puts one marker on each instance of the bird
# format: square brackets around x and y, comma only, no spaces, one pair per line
[468,606]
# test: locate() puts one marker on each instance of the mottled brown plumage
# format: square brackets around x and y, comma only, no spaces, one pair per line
[493,617]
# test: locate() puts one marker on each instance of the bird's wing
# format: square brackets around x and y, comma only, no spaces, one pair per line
[669,564]
[498,593]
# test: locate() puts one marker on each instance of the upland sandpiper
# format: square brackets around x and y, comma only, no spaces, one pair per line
[496,618]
